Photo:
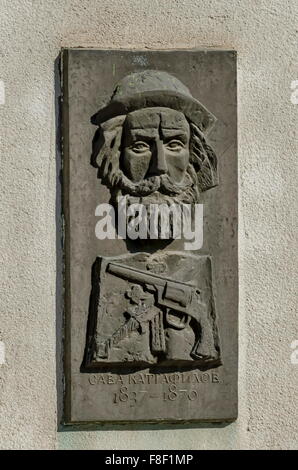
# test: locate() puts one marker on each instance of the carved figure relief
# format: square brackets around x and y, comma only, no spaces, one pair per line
[153,306]
[154,309]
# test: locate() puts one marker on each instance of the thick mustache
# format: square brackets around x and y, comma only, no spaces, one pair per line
[162,183]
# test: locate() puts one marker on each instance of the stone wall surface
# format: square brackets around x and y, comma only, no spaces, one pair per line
[264,34]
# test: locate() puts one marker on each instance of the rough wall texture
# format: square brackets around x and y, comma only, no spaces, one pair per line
[265,35]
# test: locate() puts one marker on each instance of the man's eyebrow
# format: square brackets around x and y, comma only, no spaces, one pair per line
[175,129]
[142,129]
[181,129]
[175,133]
[138,133]
[149,131]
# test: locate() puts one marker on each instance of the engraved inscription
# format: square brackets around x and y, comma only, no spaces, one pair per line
[154,379]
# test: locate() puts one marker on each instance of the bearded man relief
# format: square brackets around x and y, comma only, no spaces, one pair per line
[153,306]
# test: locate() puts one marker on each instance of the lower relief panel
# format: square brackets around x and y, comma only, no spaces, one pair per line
[147,310]
[152,351]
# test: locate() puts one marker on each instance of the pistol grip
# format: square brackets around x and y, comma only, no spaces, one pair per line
[158,342]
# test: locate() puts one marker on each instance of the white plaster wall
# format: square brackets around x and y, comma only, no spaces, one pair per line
[264,32]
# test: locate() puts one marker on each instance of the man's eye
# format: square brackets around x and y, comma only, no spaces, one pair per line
[140,147]
[175,145]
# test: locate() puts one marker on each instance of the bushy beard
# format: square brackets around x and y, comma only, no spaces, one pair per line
[157,190]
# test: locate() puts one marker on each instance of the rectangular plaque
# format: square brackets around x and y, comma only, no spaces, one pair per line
[150,207]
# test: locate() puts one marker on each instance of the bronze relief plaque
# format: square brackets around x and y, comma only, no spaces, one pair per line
[150,208]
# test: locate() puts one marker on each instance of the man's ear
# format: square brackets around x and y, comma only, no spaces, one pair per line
[203,159]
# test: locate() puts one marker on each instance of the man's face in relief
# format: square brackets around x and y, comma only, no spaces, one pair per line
[155,143]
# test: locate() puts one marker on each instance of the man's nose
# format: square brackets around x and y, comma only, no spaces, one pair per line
[158,164]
